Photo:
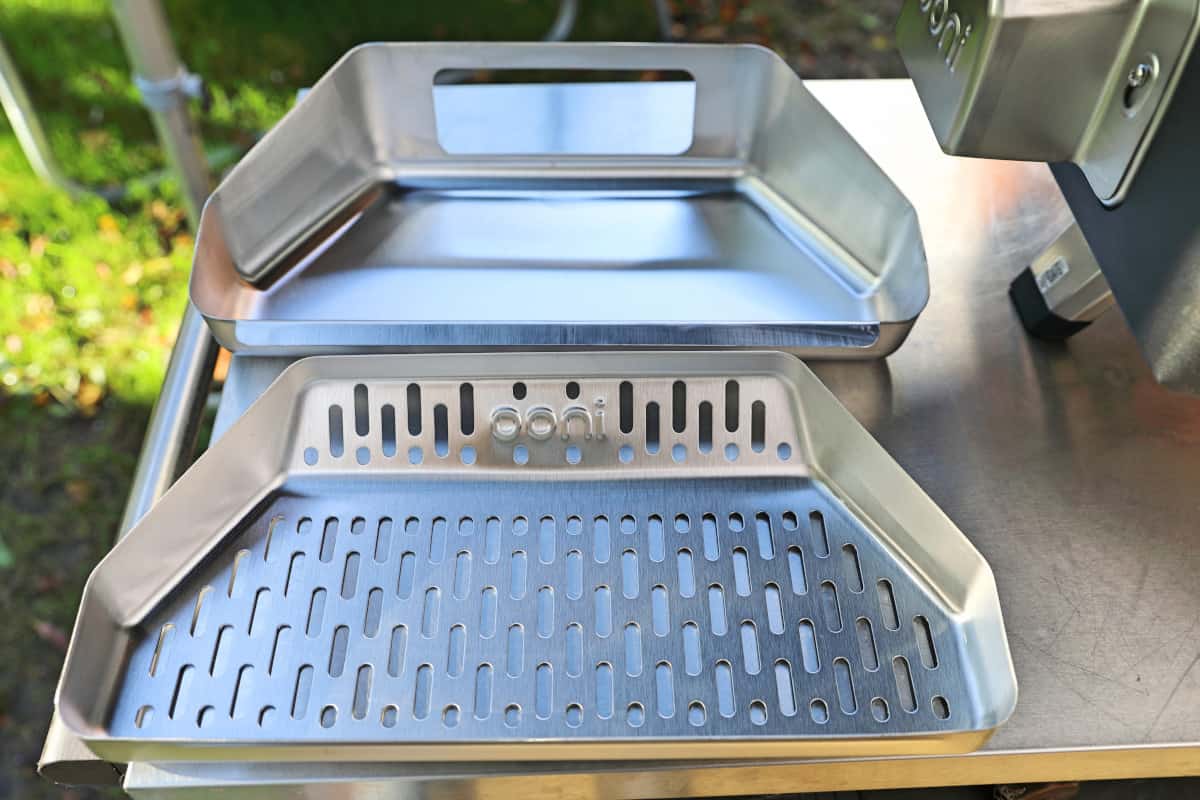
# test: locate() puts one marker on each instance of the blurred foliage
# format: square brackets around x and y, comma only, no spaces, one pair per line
[88,295]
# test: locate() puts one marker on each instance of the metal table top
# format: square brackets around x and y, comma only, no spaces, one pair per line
[1068,467]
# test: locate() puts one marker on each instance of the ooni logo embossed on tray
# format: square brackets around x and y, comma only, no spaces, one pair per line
[946,28]
[541,422]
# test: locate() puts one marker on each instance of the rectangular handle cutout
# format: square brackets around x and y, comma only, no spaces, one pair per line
[564,112]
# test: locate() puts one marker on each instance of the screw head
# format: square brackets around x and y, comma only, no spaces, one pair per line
[1140,75]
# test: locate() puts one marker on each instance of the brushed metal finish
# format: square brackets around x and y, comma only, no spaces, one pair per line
[1027,445]
[756,580]
[1042,81]
[349,228]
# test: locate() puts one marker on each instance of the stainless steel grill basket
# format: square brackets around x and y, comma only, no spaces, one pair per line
[540,556]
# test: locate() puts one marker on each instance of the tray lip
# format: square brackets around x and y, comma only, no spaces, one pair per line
[894,283]
[340,337]
[291,385]
[464,751]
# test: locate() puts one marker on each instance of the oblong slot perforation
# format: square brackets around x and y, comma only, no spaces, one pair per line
[852,568]
[350,575]
[625,403]
[603,611]
[488,604]
[712,543]
[925,645]
[337,650]
[316,613]
[664,689]
[904,684]
[656,536]
[574,562]
[408,569]
[429,612]
[423,693]
[764,535]
[718,622]
[604,690]
[692,663]
[723,674]
[362,691]
[545,612]
[544,690]
[705,424]
[456,651]
[466,409]
[660,610]
[514,654]
[741,571]
[785,694]
[831,609]
[483,691]
[866,644]
[328,539]
[758,426]
[685,573]
[362,411]
[816,524]
[396,648]
[413,407]
[441,430]
[546,540]
[629,574]
[809,655]
[387,430]
[653,439]
[774,601]
[887,605]
[301,691]
[750,653]
[373,613]
[337,440]
[574,649]
[462,574]
[633,650]
[383,540]
[731,405]
[601,540]
[678,406]
[798,578]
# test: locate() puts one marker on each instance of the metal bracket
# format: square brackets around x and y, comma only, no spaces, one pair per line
[162,95]
[1137,93]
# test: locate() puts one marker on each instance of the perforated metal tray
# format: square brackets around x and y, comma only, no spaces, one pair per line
[387,213]
[540,556]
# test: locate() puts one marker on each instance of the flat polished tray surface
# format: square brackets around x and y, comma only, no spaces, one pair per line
[387,212]
[612,555]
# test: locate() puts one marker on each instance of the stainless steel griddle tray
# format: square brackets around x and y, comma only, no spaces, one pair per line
[362,569]
[349,228]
